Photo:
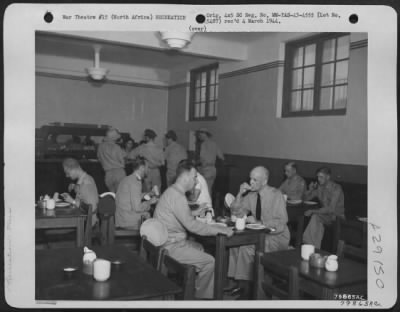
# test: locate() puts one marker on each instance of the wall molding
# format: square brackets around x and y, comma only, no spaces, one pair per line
[108,81]
[359,44]
[252,69]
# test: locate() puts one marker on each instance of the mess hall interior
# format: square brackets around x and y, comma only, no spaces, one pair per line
[269,127]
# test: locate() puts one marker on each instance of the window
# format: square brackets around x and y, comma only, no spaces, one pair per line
[204,93]
[316,75]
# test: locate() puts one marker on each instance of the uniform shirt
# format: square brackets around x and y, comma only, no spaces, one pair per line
[294,187]
[86,192]
[174,153]
[204,197]
[331,196]
[173,211]
[153,154]
[111,155]
[273,208]
[128,200]
[209,151]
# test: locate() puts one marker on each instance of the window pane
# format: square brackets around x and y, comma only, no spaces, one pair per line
[216,92]
[212,77]
[328,52]
[298,57]
[297,79]
[196,110]
[326,98]
[295,104]
[203,94]
[343,45]
[310,54]
[216,108]
[212,88]
[197,81]
[308,99]
[327,74]
[197,99]
[340,97]
[216,77]
[202,109]
[309,77]
[341,72]
[211,109]
[203,78]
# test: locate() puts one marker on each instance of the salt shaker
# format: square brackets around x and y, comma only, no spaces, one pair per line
[331,263]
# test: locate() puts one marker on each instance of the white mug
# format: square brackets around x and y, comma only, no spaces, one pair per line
[306,251]
[240,223]
[50,203]
[101,270]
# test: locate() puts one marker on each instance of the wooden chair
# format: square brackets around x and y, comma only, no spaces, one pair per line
[279,281]
[182,274]
[106,214]
[152,254]
[349,251]
[87,208]
[299,231]
[352,232]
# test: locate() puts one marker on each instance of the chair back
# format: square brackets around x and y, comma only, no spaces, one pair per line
[279,281]
[351,252]
[87,208]
[151,253]
[182,274]
[353,233]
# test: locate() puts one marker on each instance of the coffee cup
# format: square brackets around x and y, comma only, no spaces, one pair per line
[240,223]
[306,251]
[50,203]
[101,270]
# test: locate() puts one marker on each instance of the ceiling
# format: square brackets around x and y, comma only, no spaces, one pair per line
[114,51]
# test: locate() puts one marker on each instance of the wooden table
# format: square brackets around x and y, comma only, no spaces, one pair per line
[134,280]
[222,243]
[350,278]
[62,218]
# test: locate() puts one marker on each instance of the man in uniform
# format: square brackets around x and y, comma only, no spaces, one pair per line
[294,186]
[174,153]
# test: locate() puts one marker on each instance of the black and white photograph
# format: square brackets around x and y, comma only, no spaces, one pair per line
[175,168]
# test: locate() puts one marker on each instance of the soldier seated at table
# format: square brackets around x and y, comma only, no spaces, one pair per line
[131,203]
[174,212]
[85,187]
[294,186]
[267,206]
[331,197]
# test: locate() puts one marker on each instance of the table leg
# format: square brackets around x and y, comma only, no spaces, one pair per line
[256,269]
[80,232]
[220,251]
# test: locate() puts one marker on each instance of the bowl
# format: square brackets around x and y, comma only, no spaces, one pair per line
[317,260]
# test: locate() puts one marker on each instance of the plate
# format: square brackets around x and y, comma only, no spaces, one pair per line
[219,223]
[294,201]
[255,226]
[309,202]
[62,204]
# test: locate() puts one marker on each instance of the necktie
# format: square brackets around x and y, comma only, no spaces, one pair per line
[258,207]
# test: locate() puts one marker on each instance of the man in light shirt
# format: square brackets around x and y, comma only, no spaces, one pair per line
[112,159]
[154,156]
[294,186]
[174,153]
[174,212]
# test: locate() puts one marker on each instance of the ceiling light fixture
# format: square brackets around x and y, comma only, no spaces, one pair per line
[176,39]
[96,72]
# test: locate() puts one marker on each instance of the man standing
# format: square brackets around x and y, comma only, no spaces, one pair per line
[294,186]
[267,206]
[173,211]
[155,159]
[129,200]
[209,151]
[111,157]
[174,153]
[85,187]
[331,197]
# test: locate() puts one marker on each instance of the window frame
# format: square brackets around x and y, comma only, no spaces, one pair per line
[193,73]
[287,80]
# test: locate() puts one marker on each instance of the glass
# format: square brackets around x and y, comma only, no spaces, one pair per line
[309,58]
[309,77]
[297,78]
[342,72]
[212,77]
[295,104]
[202,109]
[211,109]
[340,97]
[343,47]
[203,79]
[327,74]
[196,110]
[328,51]
[212,92]
[308,99]
[298,57]
[203,94]
[326,98]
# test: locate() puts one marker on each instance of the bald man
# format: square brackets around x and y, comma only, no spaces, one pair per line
[294,186]
[112,159]
[266,206]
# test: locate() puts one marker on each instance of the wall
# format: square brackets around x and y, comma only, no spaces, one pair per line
[129,107]
[247,124]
